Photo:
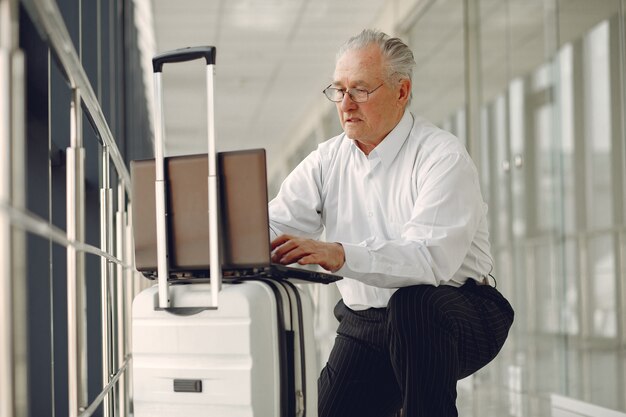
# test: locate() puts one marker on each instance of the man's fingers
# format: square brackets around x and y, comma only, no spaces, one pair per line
[294,255]
[282,245]
[280,240]
[289,251]
[308,260]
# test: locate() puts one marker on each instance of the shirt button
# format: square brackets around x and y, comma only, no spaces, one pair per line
[370,214]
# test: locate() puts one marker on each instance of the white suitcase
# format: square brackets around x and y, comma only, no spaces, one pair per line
[244,359]
[192,356]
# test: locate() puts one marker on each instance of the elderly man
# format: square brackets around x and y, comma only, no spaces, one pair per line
[405,223]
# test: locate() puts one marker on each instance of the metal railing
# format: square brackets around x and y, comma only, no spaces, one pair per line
[119,282]
[13,359]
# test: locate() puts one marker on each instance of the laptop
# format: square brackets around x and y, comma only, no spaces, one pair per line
[244,234]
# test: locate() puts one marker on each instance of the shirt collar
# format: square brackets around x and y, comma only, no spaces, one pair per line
[387,150]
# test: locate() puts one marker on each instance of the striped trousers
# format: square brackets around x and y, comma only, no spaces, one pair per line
[410,355]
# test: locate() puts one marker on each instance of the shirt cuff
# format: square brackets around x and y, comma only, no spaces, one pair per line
[357,261]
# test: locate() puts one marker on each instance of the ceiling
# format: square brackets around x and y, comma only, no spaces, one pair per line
[274,57]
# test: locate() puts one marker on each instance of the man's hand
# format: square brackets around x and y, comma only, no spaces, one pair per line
[289,249]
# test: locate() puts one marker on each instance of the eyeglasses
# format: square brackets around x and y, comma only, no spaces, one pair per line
[356,94]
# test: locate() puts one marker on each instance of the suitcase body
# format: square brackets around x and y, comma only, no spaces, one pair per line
[223,349]
[244,359]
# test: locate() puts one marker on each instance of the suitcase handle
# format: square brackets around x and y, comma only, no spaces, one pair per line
[184,54]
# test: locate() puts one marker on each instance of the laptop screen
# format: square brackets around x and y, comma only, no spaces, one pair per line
[243,212]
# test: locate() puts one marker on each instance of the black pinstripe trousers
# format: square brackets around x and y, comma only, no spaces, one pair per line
[411,354]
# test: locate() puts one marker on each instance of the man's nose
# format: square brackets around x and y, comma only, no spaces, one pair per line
[347,103]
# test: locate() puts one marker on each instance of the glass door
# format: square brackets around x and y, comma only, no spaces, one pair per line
[552,93]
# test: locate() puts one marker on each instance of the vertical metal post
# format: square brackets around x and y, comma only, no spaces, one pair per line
[13,323]
[473,85]
[584,288]
[214,255]
[6,289]
[129,285]
[18,238]
[76,306]
[120,253]
[620,285]
[621,277]
[105,296]
[620,180]
[159,191]
[7,399]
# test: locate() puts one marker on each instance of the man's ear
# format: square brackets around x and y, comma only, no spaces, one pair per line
[405,91]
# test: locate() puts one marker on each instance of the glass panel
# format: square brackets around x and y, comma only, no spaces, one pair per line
[590,135]
[502,168]
[605,387]
[598,126]
[484,168]
[495,169]
[547,290]
[438,81]
[550,120]
[602,286]
[516,135]
[566,102]
[518,92]
[544,177]
[571,303]
[460,128]
[596,376]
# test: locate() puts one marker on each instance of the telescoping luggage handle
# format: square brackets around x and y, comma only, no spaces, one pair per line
[182,55]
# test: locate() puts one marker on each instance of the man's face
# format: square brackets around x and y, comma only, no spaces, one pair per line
[368,123]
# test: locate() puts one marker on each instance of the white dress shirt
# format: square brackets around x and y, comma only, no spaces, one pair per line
[411,212]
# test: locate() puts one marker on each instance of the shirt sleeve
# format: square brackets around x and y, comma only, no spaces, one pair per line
[435,241]
[297,208]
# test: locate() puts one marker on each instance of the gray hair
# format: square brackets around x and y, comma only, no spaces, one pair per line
[397,56]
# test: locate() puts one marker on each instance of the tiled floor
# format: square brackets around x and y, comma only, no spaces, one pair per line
[479,397]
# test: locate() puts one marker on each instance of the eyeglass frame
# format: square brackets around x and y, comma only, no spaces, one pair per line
[347,91]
